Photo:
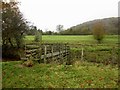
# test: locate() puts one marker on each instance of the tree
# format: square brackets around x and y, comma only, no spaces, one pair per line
[32,30]
[98,31]
[59,28]
[40,31]
[13,24]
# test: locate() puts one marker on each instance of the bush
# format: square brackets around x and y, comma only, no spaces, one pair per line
[38,37]
[99,31]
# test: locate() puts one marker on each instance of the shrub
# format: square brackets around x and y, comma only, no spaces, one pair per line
[98,32]
[38,37]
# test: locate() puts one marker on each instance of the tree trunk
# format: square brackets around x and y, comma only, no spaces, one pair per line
[10,42]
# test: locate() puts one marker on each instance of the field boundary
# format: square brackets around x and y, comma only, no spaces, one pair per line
[46,53]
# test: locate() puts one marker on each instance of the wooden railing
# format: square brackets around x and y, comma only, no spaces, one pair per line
[46,52]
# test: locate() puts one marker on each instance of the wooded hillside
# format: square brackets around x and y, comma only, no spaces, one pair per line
[110,25]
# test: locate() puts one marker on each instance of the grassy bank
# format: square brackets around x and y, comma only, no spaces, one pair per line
[78,75]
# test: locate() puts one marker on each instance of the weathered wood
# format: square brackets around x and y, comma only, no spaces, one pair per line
[40,47]
[82,54]
[33,50]
[68,55]
[25,59]
[52,50]
[32,46]
[28,55]
[46,51]
[45,54]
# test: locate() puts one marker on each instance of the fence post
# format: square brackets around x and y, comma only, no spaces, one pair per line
[82,54]
[52,51]
[25,50]
[59,51]
[68,55]
[61,55]
[40,48]
[66,51]
[45,53]
[40,53]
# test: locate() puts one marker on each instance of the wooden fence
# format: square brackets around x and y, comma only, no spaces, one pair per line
[106,54]
[46,53]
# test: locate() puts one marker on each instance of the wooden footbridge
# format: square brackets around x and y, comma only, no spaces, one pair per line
[46,53]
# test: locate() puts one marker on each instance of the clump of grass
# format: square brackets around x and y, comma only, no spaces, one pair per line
[28,63]
[76,63]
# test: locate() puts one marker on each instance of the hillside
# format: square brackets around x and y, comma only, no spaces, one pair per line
[110,25]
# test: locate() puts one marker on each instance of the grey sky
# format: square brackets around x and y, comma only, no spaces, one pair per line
[46,14]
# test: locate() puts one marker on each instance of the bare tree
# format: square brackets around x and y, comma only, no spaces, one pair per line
[59,28]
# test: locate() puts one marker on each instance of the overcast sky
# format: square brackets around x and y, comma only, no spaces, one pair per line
[46,14]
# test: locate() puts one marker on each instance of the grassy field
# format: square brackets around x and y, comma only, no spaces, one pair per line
[76,39]
[92,50]
[78,75]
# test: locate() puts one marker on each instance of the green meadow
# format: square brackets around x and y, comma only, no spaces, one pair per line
[80,74]
[74,39]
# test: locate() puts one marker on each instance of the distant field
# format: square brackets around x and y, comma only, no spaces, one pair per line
[78,75]
[78,39]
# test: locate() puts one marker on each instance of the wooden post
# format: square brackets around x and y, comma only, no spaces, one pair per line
[52,51]
[58,49]
[68,55]
[82,54]
[66,51]
[40,47]
[61,53]
[25,50]
[45,53]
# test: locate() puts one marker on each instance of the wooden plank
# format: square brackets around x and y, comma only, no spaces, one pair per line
[30,51]
[82,54]
[25,59]
[28,55]
[33,53]
[54,54]
[32,46]
[49,55]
